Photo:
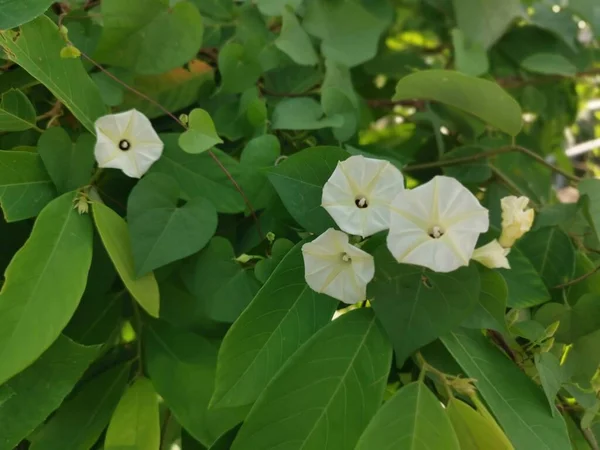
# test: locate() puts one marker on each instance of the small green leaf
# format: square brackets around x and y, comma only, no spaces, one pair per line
[482,98]
[299,181]
[201,134]
[491,308]
[295,42]
[135,423]
[471,58]
[525,287]
[16,112]
[37,50]
[549,64]
[161,232]
[264,268]
[239,69]
[515,400]
[258,155]
[149,36]
[575,322]
[413,419]
[591,188]
[338,98]
[16,12]
[79,422]
[41,388]
[115,236]
[69,164]
[25,187]
[432,303]
[552,376]
[302,113]
[277,7]
[326,394]
[267,334]
[45,279]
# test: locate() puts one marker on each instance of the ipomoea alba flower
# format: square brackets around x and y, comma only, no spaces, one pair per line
[128,142]
[516,220]
[359,192]
[436,225]
[335,267]
[492,255]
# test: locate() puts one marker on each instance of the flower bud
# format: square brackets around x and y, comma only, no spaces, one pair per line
[516,219]
[492,255]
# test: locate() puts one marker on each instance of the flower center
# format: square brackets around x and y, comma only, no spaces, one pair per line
[436,232]
[346,258]
[124,144]
[361,202]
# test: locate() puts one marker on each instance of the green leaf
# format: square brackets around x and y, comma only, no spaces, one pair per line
[591,284]
[222,287]
[46,278]
[516,401]
[475,430]
[339,98]
[477,171]
[25,187]
[491,308]
[471,58]
[575,322]
[37,50]
[551,253]
[552,376]
[432,303]
[591,188]
[484,22]
[181,366]
[200,176]
[79,422]
[324,396]
[258,155]
[115,237]
[295,42]
[161,232]
[302,113]
[589,10]
[482,98]
[201,134]
[41,388]
[299,181]
[135,423]
[277,7]
[265,267]
[149,36]
[69,164]
[267,334]
[349,30]
[549,64]
[525,287]
[413,419]
[16,12]
[16,112]
[239,68]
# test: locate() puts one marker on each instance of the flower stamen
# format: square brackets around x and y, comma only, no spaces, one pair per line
[361,202]
[124,144]
[346,258]
[436,232]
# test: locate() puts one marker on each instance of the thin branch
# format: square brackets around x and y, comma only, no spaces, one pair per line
[578,279]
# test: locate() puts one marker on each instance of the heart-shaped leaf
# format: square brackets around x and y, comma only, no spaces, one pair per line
[201,135]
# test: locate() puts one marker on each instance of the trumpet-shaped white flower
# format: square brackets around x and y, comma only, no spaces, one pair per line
[516,220]
[359,192]
[335,267]
[436,225]
[128,142]
[492,255]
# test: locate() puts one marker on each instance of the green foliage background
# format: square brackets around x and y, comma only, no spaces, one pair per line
[174,310]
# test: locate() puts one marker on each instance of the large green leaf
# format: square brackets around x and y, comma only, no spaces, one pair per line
[44,283]
[161,232]
[16,12]
[491,308]
[78,423]
[413,419]
[268,333]
[200,176]
[135,423]
[41,388]
[181,366]
[69,164]
[25,187]
[149,36]
[525,287]
[37,50]
[299,182]
[551,253]
[295,42]
[482,98]
[115,236]
[515,400]
[432,303]
[16,112]
[591,188]
[324,396]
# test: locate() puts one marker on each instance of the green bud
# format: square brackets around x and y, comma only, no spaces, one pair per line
[271,237]
[551,329]
[243,258]
[69,52]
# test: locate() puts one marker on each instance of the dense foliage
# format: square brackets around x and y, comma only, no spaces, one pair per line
[166,298]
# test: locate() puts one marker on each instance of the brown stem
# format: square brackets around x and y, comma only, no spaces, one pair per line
[578,279]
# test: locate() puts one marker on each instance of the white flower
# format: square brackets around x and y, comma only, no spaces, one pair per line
[128,142]
[492,255]
[335,267]
[436,225]
[516,220]
[359,192]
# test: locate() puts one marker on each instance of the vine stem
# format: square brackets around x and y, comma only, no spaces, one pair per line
[488,154]
[578,279]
